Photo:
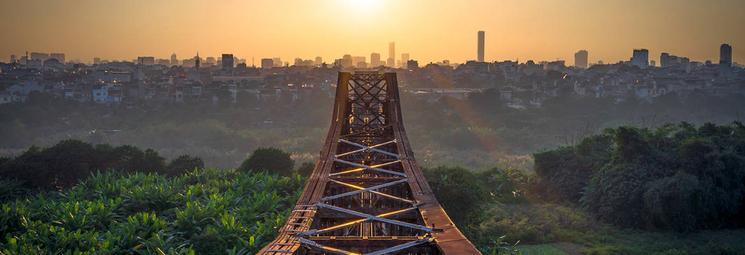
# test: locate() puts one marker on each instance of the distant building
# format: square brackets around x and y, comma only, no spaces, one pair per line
[640,58]
[404,59]
[12,59]
[347,61]
[267,63]
[58,56]
[146,61]
[725,55]
[480,44]
[669,60]
[580,59]
[359,61]
[318,61]
[412,64]
[174,60]
[228,61]
[392,54]
[375,60]
[39,56]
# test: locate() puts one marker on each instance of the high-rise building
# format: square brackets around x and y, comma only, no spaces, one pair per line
[580,59]
[375,60]
[391,54]
[267,63]
[228,61]
[319,61]
[96,60]
[725,55]
[277,62]
[174,60]
[640,58]
[12,59]
[197,61]
[480,53]
[347,61]
[404,59]
[359,61]
[58,56]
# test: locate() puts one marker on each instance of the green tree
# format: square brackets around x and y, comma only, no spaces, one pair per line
[183,164]
[269,159]
[458,190]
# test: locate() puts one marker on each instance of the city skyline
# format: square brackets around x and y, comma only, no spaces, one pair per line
[429,32]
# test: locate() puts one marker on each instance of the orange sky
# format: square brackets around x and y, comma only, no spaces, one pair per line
[430,30]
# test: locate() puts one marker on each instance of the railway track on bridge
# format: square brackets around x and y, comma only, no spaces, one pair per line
[366,194]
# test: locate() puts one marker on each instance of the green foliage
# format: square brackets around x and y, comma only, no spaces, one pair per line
[69,161]
[674,177]
[269,159]
[182,164]
[200,212]
[563,173]
[305,169]
[458,190]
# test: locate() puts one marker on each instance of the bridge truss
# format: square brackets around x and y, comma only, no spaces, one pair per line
[366,194]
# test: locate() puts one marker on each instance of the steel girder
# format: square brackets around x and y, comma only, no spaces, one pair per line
[366,194]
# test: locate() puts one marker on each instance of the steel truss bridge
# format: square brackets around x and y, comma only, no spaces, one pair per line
[366,194]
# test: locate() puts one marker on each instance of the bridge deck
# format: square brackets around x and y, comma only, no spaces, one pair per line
[366,194]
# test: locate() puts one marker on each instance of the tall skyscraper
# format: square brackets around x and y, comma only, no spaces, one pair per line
[174,60]
[228,61]
[404,59]
[375,60]
[197,61]
[580,59]
[480,53]
[392,54]
[725,55]
[640,58]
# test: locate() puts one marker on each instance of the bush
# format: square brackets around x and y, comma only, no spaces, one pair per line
[305,169]
[182,164]
[269,159]
[66,163]
[458,190]
[675,177]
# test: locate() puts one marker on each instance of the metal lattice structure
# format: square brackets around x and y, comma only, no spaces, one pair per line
[366,194]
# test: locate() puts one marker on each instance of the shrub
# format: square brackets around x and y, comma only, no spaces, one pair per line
[268,159]
[182,164]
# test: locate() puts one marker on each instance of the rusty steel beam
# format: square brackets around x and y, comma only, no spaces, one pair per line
[366,194]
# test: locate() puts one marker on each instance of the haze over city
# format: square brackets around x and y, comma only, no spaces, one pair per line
[429,31]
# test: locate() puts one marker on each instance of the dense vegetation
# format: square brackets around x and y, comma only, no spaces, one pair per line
[200,212]
[69,161]
[476,132]
[600,196]
[674,177]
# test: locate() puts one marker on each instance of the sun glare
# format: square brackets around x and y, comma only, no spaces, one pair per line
[363,6]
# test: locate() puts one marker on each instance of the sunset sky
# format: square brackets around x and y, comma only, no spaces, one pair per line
[429,30]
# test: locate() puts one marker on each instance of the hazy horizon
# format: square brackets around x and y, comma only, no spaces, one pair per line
[429,31]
